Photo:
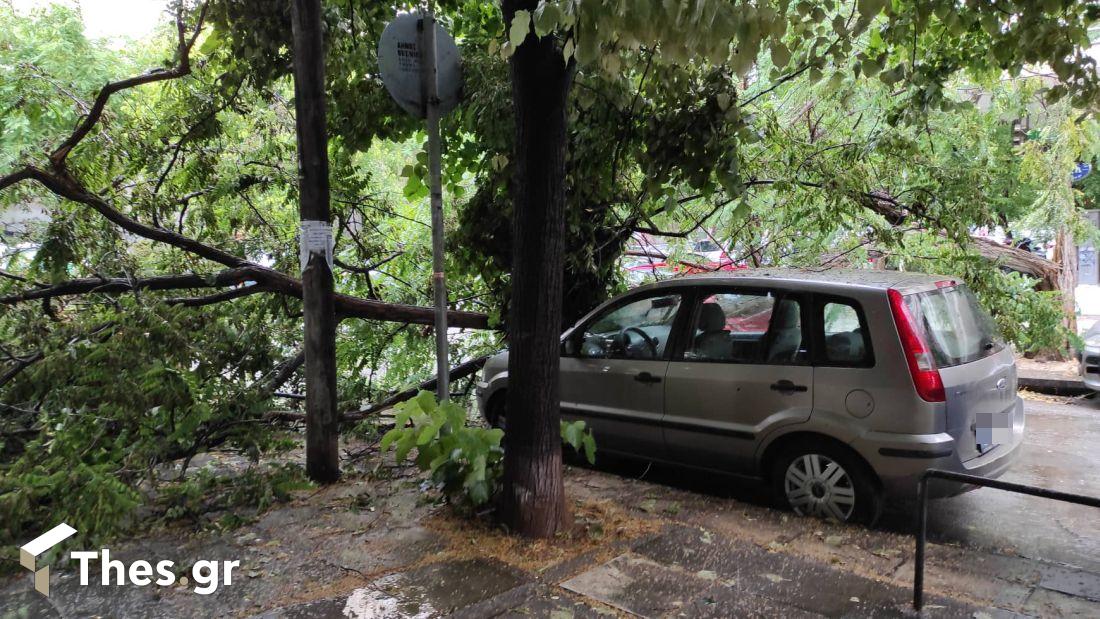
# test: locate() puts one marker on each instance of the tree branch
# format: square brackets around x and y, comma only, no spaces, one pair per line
[284,371]
[266,280]
[182,68]
[59,180]
[459,371]
[221,297]
[90,285]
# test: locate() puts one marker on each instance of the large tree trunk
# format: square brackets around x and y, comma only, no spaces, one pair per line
[533,499]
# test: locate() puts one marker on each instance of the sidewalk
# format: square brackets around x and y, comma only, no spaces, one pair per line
[718,558]
[374,545]
[1052,378]
[681,571]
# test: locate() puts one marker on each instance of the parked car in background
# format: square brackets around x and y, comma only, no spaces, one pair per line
[839,388]
[1089,358]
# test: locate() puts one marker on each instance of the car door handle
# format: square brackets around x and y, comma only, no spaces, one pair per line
[786,386]
[646,377]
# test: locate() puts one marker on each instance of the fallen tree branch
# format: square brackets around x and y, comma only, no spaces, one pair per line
[265,280]
[285,370]
[459,371]
[89,285]
[19,366]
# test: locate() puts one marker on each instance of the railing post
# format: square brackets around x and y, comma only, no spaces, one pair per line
[922,530]
[985,482]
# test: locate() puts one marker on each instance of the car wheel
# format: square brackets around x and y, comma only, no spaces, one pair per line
[825,481]
[495,410]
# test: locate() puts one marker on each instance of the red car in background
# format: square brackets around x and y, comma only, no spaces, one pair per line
[655,267]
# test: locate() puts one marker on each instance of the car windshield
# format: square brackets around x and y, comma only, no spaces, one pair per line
[954,325]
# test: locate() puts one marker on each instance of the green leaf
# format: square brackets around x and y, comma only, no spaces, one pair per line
[588,48]
[521,26]
[405,445]
[425,401]
[547,17]
[389,437]
[211,44]
[428,433]
[590,448]
[567,50]
[670,204]
[781,55]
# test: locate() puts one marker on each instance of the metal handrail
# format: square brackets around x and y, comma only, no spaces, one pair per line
[922,525]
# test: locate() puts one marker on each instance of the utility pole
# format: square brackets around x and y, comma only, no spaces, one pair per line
[430,96]
[319,316]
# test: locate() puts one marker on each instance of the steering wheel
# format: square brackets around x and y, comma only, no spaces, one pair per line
[651,342]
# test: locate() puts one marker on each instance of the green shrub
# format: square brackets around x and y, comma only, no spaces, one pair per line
[467,461]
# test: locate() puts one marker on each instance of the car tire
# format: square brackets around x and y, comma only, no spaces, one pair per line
[494,410]
[825,480]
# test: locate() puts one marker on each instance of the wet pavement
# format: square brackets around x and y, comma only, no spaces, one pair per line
[667,545]
[1061,452]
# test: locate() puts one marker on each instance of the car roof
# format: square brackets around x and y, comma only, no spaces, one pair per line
[816,279]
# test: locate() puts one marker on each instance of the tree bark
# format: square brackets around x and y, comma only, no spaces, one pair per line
[1065,254]
[532,501]
[318,308]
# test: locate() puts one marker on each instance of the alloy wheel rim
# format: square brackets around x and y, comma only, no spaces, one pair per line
[816,485]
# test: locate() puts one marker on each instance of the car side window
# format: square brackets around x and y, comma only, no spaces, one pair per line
[845,337]
[637,330]
[730,327]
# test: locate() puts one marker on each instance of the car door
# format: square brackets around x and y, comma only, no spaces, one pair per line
[613,368]
[844,366]
[743,367]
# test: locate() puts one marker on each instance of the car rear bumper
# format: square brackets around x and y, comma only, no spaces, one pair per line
[899,460]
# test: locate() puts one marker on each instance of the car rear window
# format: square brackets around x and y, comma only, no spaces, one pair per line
[954,325]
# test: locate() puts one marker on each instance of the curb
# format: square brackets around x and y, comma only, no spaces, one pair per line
[1053,386]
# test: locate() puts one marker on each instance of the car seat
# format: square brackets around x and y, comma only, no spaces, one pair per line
[714,341]
[786,339]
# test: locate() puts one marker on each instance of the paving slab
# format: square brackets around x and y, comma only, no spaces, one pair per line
[780,580]
[721,601]
[637,585]
[552,603]
[1046,603]
[1072,582]
[433,590]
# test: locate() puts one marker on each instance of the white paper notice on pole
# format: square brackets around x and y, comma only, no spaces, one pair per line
[316,238]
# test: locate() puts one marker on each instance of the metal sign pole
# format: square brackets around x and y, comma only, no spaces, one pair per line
[430,98]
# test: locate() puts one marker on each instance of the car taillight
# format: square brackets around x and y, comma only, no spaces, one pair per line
[926,378]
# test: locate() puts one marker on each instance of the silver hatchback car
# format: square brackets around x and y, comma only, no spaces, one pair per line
[838,388]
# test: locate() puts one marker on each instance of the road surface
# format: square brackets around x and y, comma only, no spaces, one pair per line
[1061,451]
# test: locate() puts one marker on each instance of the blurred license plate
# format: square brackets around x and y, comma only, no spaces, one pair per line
[992,429]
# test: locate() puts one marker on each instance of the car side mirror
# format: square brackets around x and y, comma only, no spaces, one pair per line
[569,347]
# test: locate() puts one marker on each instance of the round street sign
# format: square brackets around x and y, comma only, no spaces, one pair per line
[399,64]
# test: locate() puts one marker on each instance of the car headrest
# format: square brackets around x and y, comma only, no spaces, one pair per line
[844,346]
[712,318]
[787,315]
